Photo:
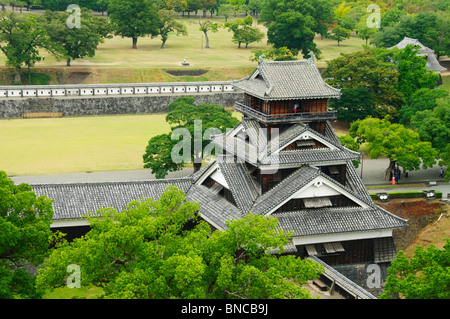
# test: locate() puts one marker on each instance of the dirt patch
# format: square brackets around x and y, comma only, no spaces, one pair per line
[186,72]
[419,212]
[77,77]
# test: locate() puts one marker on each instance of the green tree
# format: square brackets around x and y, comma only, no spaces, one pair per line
[433,126]
[294,23]
[225,10]
[205,27]
[354,104]
[364,32]
[78,42]
[367,69]
[168,24]
[400,145]
[24,237]
[21,37]
[426,275]
[161,249]
[244,32]
[339,34]
[412,71]
[275,54]
[194,125]
[134,18]
[421,100]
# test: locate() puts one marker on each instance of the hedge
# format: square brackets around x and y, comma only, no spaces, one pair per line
[407,194]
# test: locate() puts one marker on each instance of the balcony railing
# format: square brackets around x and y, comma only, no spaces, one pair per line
[285,118]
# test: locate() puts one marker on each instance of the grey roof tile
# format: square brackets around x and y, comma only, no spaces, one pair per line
[75,200]
[275,80]
[331,220]
[343,281]
[213,208]
[283,190]
[242,185]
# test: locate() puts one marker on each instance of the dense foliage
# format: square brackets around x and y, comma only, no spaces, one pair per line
[400,145]
[24,237]
[189,139]
[424,276]
[160,249]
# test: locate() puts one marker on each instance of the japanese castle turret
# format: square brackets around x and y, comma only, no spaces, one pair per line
[284,160]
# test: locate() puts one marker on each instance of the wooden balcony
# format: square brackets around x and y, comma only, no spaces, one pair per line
[287,117]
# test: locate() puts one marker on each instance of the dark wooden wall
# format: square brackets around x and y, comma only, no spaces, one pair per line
[285,106]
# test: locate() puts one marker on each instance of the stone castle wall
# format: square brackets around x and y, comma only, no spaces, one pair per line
[106,105]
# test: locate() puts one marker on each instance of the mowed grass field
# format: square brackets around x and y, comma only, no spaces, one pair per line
[77,144]
[82,144]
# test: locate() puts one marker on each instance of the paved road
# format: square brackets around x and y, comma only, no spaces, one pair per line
[372,174]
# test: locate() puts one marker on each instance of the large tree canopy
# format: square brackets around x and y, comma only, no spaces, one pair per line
[424,276]
[400,145]
[24,237]
[194,125]
[21,37]
[433,126]
[365,69]
[391,76]
[78,42]
[294,23]
[134,18]
[160,249]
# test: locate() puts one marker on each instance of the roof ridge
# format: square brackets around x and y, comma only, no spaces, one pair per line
[186,178]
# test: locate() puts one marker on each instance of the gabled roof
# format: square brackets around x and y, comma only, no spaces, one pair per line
[415,42]
[75,200]
[286,80]
[215,209]
[284,190]
[242,186]
[432,62]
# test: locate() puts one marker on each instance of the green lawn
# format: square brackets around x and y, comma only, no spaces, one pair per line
[446,83]
[77,144]
[63,145]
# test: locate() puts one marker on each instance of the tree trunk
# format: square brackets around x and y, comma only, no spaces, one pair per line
[163,44]
[17,78]
[387,174]
[68,62]
[134,43]
[207,40]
